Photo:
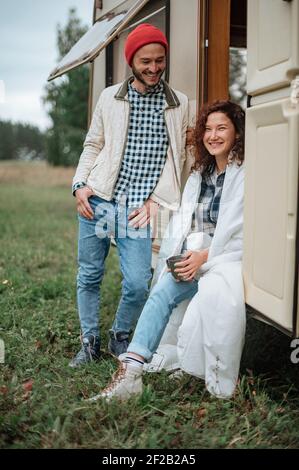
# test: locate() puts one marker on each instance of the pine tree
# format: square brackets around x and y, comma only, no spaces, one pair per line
[21,141]
[67,101]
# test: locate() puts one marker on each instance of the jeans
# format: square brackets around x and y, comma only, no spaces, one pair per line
[164,297]
[135,251]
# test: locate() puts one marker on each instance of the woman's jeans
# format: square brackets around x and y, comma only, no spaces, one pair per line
[135,251]
[164,297]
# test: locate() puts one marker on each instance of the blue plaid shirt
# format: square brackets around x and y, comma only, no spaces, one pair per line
[146,147]
[206,214]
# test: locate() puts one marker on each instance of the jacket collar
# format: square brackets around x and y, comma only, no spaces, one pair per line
[170,96]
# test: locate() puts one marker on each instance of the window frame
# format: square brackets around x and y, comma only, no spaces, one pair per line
[90,56]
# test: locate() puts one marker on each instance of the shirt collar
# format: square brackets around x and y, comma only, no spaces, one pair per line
[214,178]
[152,91]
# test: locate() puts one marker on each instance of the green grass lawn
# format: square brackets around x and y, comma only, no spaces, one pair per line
[42,400]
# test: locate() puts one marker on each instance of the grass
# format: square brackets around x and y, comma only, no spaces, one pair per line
[41,399]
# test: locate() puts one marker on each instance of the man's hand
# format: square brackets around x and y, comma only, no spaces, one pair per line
[83,206]
[142,216]
[189,267]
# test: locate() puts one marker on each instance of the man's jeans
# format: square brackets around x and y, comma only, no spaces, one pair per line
[164,297]
[135,251]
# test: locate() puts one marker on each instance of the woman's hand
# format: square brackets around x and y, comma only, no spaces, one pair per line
[191,264]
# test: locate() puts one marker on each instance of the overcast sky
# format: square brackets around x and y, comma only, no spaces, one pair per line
[28,53]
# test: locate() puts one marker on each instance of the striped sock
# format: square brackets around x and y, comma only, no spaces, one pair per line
[133,361]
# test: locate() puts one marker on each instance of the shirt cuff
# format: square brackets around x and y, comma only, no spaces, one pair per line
[77,186]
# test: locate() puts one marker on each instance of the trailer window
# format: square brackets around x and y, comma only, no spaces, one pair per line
[238,52]
[99,36]
[238,75]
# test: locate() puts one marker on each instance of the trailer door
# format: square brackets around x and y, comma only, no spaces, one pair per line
[272,143]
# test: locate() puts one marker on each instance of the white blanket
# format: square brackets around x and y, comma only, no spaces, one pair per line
[205,336]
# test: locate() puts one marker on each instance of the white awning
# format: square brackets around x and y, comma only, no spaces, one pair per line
[98,37]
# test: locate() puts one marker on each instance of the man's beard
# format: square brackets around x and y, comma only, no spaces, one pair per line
[140,78]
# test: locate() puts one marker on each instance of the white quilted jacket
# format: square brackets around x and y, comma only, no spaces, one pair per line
[105,142]
[205,336]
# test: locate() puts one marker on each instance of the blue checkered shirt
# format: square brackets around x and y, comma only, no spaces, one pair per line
[146,147]
[206,214]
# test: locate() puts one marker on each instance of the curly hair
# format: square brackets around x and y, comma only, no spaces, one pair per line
[204,161]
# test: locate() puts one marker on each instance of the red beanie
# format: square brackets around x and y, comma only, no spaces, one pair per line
[144,34]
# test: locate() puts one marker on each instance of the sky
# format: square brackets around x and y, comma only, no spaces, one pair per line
[28,53]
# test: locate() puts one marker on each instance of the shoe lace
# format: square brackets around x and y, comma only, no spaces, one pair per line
[116,378]
[88,349]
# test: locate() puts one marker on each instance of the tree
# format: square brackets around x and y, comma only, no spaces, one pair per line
[238,66]
[30,142]
[67,101]
[7,141]
[21,142]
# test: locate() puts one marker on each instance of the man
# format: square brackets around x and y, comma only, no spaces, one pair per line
[131,163]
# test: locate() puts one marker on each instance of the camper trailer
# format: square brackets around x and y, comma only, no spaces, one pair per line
[248,51]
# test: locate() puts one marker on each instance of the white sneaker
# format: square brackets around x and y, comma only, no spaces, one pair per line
[127,381]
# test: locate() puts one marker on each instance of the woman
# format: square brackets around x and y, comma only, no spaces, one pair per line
[206,340]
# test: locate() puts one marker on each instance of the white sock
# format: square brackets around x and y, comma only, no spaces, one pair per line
[133,361]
